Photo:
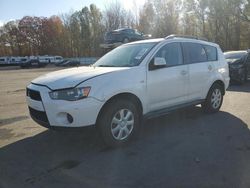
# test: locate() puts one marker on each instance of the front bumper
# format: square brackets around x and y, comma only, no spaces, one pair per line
[59,113]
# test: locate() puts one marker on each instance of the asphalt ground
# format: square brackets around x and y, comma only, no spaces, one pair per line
[186,148]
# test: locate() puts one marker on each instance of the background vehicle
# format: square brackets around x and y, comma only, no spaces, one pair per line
[69,63]
[4,61]
[149,78]
[123,35]
[14,60]
[239,65]
[44,59]
[58,59]
[32,61]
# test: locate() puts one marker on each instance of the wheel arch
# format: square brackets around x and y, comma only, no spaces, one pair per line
[221,83]
[126,95]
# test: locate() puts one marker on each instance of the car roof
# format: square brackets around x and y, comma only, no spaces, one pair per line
[175,39]
[147,41]
[122,29]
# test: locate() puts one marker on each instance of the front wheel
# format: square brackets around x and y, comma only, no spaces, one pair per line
[214,99]
[119,122]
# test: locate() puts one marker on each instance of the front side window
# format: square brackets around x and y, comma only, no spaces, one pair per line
[194,53]
[172,53]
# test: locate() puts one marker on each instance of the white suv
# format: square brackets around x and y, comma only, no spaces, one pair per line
[137,80]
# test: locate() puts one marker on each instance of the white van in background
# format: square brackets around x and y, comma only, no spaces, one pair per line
[57,59]
[4,60]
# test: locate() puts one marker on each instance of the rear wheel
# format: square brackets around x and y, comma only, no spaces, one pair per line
[119,122]
[214,99]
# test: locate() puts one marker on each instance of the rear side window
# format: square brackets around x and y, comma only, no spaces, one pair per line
[194,53]
[211,53]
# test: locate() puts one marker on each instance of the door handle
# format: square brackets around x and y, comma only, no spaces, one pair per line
[183,72]
[210,67]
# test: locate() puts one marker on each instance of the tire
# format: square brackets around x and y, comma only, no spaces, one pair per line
[214,99]
[125,40]
[119,122]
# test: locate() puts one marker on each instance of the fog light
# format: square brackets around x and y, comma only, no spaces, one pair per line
[69,118]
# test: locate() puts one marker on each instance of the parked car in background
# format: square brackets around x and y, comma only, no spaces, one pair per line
[32,61]
[57,59]
[61,62]
[69,63]
[44,59]
[123,35]
[4,61]
[239,65]
[137,80]
[14,60]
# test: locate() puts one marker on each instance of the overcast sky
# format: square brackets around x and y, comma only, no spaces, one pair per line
[16,9]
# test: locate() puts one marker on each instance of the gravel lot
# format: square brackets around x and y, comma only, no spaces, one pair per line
[184,149]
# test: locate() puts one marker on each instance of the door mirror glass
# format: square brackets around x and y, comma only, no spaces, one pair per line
[159,61]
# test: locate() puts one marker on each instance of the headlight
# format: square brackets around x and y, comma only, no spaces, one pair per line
[70,94]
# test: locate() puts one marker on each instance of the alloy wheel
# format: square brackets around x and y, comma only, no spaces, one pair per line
[122,124]
[216,98]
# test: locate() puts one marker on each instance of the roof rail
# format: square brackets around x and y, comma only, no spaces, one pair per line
[185,36]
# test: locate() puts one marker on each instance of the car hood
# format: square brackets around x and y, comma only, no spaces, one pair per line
[69,78]
[232,61]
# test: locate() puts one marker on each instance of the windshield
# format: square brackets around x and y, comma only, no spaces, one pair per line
[234,55]
[125,56]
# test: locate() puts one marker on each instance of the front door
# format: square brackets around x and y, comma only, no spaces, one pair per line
[167,86]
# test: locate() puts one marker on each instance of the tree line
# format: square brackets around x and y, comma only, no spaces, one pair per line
[79,33]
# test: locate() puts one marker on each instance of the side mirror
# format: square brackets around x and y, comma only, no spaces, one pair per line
[157,63]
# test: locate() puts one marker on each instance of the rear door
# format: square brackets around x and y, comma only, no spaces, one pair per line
[200,68]
[167,86]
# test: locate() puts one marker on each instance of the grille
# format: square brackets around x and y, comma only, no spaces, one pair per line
[41,116]
[35,95]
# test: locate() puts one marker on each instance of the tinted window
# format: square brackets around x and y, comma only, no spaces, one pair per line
[172,54]
[194,53]
[211,53]
[138,33]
